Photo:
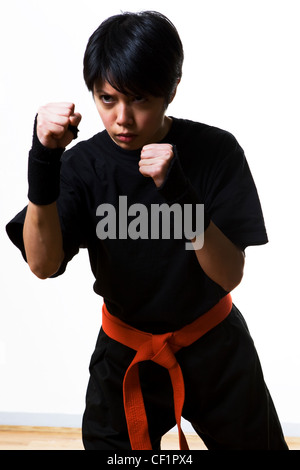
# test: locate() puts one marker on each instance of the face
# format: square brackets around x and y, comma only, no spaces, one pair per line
[131,121]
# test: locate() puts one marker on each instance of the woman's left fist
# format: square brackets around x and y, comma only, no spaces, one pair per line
[155,161]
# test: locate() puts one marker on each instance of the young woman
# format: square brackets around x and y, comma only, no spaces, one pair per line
[170,336]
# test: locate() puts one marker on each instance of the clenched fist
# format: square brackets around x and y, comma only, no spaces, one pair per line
[52,124]
[155,161]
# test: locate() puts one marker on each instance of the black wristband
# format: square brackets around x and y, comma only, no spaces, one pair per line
[74,131]
[178,189]
[175,183]
[43,172]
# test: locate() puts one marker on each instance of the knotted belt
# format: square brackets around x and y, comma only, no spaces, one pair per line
[160,348]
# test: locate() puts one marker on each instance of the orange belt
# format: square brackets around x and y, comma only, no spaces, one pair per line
[160,349]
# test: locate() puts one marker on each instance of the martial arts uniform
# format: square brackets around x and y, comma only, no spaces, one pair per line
[158,286]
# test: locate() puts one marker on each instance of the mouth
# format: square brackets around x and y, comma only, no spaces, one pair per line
[126,137]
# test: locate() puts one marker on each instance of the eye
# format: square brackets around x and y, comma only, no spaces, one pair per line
[139,99]
[106,99]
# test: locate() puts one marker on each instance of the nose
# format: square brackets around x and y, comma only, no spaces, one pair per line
[124,115]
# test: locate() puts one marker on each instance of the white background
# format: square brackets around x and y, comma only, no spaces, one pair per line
[241,73]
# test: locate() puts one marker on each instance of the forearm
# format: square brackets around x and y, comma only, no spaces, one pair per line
[43,239]
[54,128]
[220,259]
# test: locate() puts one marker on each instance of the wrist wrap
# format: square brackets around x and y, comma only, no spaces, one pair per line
[43,172]
[178,189]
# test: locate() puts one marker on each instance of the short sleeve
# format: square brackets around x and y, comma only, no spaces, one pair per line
[14,230]
[232,199]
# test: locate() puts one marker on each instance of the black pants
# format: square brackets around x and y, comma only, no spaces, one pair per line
[227,401]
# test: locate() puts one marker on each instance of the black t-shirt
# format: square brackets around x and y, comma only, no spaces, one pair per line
[156,285]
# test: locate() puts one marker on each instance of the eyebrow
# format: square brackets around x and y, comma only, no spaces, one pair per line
[100,90]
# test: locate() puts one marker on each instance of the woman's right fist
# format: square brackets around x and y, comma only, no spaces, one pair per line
[52,124]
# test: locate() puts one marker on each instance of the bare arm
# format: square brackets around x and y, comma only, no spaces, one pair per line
[43,239]
[42,232]
[220,259]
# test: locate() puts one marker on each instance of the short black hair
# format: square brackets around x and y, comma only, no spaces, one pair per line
[136,53]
